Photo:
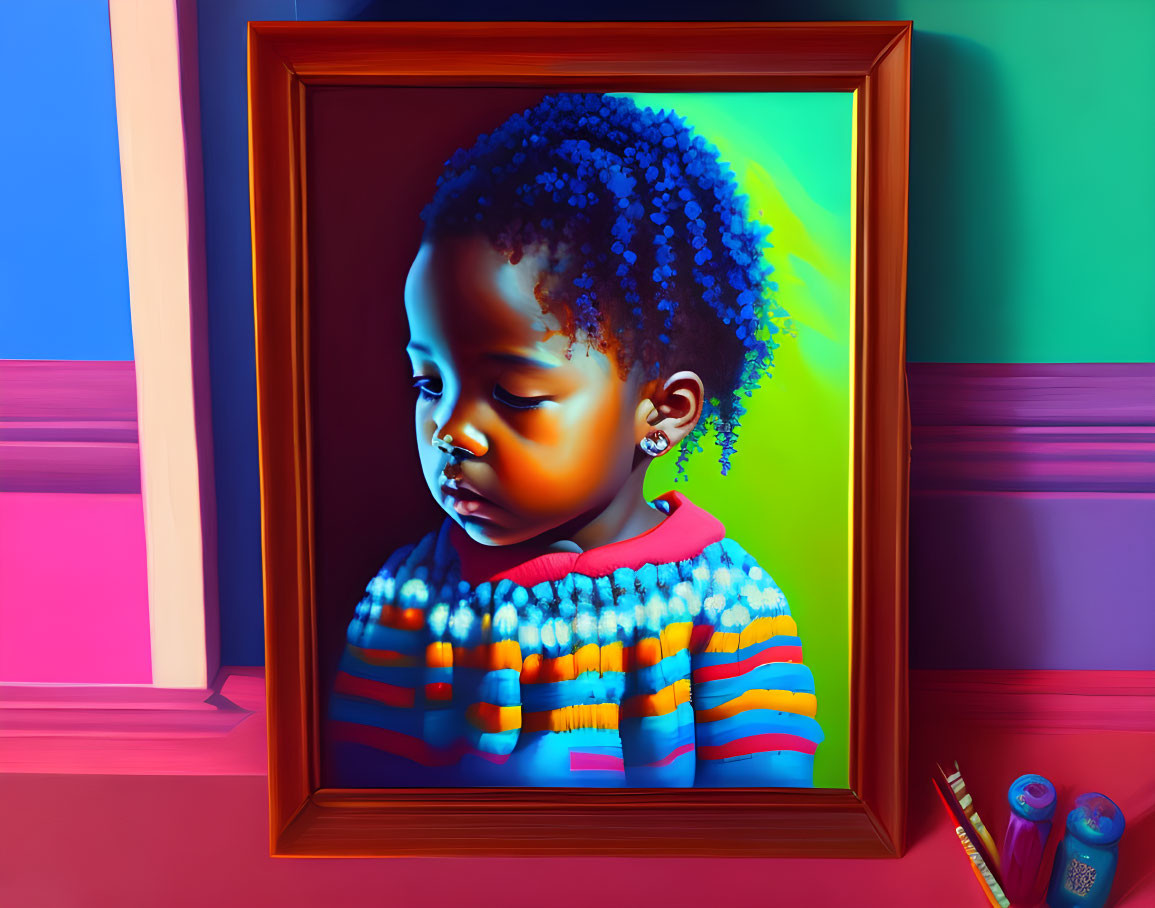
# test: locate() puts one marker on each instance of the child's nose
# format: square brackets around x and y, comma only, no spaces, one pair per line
[457,433]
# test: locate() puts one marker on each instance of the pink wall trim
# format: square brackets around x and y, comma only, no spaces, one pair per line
[73,590]
[137,731]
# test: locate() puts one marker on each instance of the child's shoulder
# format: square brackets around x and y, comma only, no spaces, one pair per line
[731,573]
[424,566]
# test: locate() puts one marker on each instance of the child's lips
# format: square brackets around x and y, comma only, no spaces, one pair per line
[467,501]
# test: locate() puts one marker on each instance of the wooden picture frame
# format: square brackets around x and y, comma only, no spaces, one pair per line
[286,62]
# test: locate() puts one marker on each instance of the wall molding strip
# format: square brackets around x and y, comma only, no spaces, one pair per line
[1032,394]
[68,427]
[72,427]
[138,731]
[153,49]
[1032,427]
[1033,458]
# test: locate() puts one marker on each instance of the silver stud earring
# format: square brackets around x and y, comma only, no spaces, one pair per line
[654,444]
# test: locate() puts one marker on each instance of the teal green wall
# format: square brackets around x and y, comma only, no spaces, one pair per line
[1032,163]
[1032,179]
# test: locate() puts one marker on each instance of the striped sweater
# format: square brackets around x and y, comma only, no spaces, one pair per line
[667,660]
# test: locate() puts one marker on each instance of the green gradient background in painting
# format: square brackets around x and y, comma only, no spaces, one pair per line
[786,499]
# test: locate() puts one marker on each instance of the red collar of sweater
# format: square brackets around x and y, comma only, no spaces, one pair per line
[685,532]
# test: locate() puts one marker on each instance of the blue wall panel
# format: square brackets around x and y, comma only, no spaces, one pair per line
[63,267]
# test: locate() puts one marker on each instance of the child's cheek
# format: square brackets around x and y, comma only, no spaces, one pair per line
[567,459]
[545,427]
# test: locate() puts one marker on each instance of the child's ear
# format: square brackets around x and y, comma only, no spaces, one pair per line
[672,406]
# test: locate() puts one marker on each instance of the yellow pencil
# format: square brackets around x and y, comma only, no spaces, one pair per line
[992,889]
[958,786]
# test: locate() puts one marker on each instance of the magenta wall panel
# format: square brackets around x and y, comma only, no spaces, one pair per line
[73,576]
[73,590]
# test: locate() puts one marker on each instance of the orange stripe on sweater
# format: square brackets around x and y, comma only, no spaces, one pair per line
[662,703]
[439,655]
[757,631]
[787,701]
[410,619]
[572,718]
[487,717]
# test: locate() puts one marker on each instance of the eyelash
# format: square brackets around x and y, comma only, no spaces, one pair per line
[502,396]
[423,382]
[425,387]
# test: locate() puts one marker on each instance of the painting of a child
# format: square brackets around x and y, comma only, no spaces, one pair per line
[589,296]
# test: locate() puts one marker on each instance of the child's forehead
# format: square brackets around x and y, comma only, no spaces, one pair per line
[467,302]
[463,287]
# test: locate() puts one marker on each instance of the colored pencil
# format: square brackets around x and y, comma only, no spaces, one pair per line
[966,802]
[987,881]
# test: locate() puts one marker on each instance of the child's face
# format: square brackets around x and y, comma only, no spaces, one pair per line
[516,440]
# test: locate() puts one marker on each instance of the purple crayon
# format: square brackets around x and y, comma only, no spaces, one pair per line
[1032,800]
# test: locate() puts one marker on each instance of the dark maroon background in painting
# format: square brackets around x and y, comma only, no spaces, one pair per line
[373,159]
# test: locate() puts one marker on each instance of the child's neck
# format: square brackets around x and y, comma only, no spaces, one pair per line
[627,515]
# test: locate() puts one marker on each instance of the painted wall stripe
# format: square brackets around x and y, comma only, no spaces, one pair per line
[1032,394]
[1033,458]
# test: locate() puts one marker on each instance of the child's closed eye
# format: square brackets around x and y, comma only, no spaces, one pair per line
[517,402]
[428,386]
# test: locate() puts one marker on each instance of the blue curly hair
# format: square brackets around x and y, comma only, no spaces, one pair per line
[644,220]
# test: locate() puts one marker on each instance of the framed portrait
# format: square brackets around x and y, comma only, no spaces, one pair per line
[583,435]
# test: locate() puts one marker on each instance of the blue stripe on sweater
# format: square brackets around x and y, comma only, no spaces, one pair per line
[653,738]
[653,678]
[745,652]
[378,636]
[790,676]
[587,689]
[782,769]
[758,722]
[400,677]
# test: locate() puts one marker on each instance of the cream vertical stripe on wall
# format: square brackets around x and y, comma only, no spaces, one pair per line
[166,286]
